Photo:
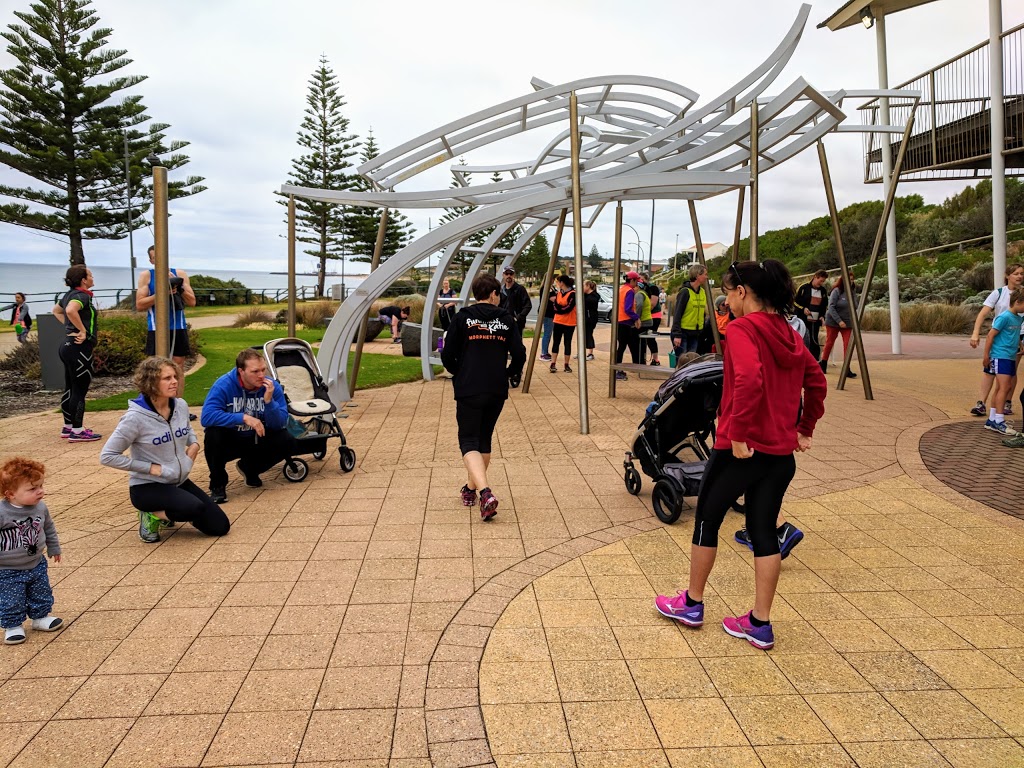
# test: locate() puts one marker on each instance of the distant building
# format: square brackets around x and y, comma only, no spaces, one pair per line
[711,251]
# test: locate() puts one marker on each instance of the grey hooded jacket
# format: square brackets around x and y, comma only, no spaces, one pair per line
[151,439]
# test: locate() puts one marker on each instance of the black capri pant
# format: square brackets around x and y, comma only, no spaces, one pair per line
[762,480]
[185,503]
[590,334]
[477,416]
[562,332]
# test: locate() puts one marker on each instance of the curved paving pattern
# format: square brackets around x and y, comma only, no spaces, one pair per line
[358,618]
[971,460]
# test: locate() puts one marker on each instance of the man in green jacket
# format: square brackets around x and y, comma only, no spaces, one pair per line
[691,311]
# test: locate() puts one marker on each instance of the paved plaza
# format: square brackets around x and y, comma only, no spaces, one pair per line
[370,619]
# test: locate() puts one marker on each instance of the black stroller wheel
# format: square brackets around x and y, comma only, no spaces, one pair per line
[319,455]
[295,470]
[633,481]
[347,458]
[667,499]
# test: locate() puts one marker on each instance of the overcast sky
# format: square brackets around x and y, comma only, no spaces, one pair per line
[231,78]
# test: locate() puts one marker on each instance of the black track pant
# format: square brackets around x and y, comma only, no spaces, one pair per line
[562,332]
[258,454]
[813,328]
[77,359]
[590,334]
[477,416]
[762,480]
[652,344]
[628,337]
[185,503]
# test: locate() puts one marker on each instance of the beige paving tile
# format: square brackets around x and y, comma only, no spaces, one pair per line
[657,642]
[300,620]
[599,726]
[509,645]
[517,682]
[980,753]
[361,649]
[359,688]
[196,693]
[747,676]
[896,754]
[102,625]
[774,720]
[714,757]
[670,678]
[112,696]
[895,671]
[942,714]
[820,673]
[13,738]
[82,743]
[220,654]
[257,738]
[295,652]
[572,613]
[1004,706]
[36,699]
[695,723]
[277,690]
[166,741]
[631,758]
[799,755]
[968,669]
[530,728]
[860,717]
[348,735]
[71,659]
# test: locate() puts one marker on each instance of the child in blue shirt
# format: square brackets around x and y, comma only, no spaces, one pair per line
[1001,347]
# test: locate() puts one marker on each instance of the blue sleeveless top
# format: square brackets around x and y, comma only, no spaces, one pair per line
[177,315]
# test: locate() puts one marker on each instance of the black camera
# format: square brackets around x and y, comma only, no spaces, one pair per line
[177,282]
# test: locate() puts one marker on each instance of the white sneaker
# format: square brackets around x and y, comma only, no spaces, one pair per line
[47,624]
[14,635]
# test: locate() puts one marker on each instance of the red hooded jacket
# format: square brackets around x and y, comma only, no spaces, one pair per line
[766,368]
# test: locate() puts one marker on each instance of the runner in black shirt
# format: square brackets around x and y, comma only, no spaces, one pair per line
[78,312]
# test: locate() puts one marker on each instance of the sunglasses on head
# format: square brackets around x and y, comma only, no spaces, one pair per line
[734,268]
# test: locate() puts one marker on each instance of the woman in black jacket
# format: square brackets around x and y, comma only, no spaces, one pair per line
[476,352]
[591,300]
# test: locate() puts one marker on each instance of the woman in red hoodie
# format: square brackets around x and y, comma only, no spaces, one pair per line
[760,424]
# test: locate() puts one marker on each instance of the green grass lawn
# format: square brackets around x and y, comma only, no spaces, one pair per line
[221,345]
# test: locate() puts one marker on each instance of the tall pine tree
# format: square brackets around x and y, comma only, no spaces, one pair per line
[323,135]
[463,258]
[63,123]
[594,258]
[363,223]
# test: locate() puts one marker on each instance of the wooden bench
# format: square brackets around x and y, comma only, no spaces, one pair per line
[658,371]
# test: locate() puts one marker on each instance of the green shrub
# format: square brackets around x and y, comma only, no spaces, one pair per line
[23,358]
[120,344]
[225,292]
[252,315]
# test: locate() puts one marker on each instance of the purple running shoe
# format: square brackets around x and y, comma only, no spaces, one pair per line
[676,608]
[488,505]
[740,626]
[468,497]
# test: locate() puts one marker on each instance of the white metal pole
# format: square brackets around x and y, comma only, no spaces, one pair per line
[995,63]
[892,265]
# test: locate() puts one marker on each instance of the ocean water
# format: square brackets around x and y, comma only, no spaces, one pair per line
[43,283]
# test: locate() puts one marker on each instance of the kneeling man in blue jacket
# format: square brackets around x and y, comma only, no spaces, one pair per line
[244,417]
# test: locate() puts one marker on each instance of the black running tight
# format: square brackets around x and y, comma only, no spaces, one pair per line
[762,480]
[185,503]
[77,359]
[562,332]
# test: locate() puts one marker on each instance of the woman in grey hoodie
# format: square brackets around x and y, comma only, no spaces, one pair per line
[162,448]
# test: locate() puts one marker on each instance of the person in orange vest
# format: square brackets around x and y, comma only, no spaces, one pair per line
[629,323]
[721,319]
[565,321]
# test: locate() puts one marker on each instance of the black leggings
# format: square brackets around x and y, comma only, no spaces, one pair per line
[628,337]
[652,344]
[185,503]
[77,359]
[258,454]
[477,416]
[762,480]
[590,334]
[562,332]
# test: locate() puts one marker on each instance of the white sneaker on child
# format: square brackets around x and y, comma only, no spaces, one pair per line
[14,635]
[48,624]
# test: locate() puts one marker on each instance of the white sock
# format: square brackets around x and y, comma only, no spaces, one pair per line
[992,414]
[998,418]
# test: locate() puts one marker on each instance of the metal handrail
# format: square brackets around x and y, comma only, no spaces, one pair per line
[953,92]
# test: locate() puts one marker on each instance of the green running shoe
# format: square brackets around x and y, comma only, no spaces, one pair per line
[1017,441]
[149,527]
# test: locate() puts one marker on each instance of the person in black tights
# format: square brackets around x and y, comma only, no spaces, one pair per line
[78,313]
[162,448]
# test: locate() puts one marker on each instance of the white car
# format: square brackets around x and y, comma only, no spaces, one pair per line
[604,307]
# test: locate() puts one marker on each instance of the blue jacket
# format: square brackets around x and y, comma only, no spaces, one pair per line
[227,403]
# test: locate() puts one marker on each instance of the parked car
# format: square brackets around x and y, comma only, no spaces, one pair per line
[604,307]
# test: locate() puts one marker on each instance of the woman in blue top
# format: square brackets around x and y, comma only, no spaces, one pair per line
[77,311]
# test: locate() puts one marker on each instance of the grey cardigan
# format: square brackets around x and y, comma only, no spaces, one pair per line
[838,309]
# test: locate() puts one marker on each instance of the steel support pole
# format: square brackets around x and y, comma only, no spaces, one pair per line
[161,268]
[374,262]
[650,247]
[892,265]
[833,214]
[291,265]
[614,314]
[998,138]
[700,257]
[890,199]
[577,244]
[754,128]
[542,304]
[739,225]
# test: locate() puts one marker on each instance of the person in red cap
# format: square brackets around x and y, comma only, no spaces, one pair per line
[629,324]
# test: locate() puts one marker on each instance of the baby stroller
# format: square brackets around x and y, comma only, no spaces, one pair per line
[682,416]
[311,413]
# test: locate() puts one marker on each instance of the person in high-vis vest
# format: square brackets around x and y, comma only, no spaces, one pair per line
[629,323]
[691,311]
[565,322]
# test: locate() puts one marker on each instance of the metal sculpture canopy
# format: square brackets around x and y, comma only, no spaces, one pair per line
[642,138]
